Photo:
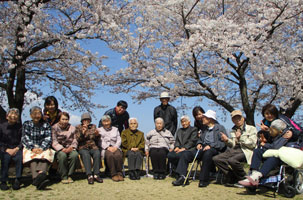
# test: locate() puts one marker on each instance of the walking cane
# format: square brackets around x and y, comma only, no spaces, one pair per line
[147,166]
[191,167]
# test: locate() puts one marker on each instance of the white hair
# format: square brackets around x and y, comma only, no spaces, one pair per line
[185,117]
[132,118]
[159,119]
[105,117]
[278,124]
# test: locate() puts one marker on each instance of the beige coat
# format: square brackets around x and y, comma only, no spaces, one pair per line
[247,141]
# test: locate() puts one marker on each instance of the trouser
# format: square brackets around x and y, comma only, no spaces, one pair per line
[114,162]
[204,156]
[5,161]
[38,165]
[135,159]
[268,164]
[230,162]
[158,159]
[66,163]
[174,158]
[86,155]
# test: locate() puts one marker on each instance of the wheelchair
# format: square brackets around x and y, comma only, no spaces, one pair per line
[287,181]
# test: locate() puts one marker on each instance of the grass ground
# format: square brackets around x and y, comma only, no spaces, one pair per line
[146,188]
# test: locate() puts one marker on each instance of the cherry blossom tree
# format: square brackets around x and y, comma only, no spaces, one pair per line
[240,55]
[40,47]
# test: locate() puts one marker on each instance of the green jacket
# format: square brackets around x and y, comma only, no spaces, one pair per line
[132,140]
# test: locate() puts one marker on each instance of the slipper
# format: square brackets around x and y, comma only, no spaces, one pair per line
[252,181]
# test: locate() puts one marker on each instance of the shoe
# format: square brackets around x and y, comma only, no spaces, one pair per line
[120,177]
[41,177]
[4,186]
[180,181]
[90,179]
[42,185]
[65,181]
[156,176]
[203,184]
[70,180]
[162,176]
[98,179]
[137,174]
[115,178]
[16,185]
[132,175]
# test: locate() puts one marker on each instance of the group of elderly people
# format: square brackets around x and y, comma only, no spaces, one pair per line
[49,137]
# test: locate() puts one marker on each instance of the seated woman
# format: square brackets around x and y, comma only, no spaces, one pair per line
[280,136]
[51,110]
[65,144]
[198,115]
[110,142]
[11,148]
[209,145]
[88,140]
[37,140]
[133,148]
[241,145]
[186,139]
[157,144]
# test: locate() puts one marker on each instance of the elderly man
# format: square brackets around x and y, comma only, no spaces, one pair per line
[167,112]
[133,144]
[119,116]
[186,139]
[209,145]
[11,148]
[242,143]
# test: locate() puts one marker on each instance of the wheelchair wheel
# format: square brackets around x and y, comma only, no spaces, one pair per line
[251,190]
[289,191]
[298,181]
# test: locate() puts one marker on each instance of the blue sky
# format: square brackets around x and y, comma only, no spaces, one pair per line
[144,111]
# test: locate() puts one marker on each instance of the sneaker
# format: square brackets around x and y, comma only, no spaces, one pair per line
[90,179]
[16,185]
[4,186]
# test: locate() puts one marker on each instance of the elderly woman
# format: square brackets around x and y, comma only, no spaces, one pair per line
[11,148]
[281,135]
[88,139]
[208,145]
[111,141]
[37,140]
[157,144]
[186,139]
[133,148]
[65,144]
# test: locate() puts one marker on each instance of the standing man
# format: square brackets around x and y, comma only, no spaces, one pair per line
[167,112]
[119,116]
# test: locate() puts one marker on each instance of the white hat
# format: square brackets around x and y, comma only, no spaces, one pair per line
[164,95]
[210,114]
